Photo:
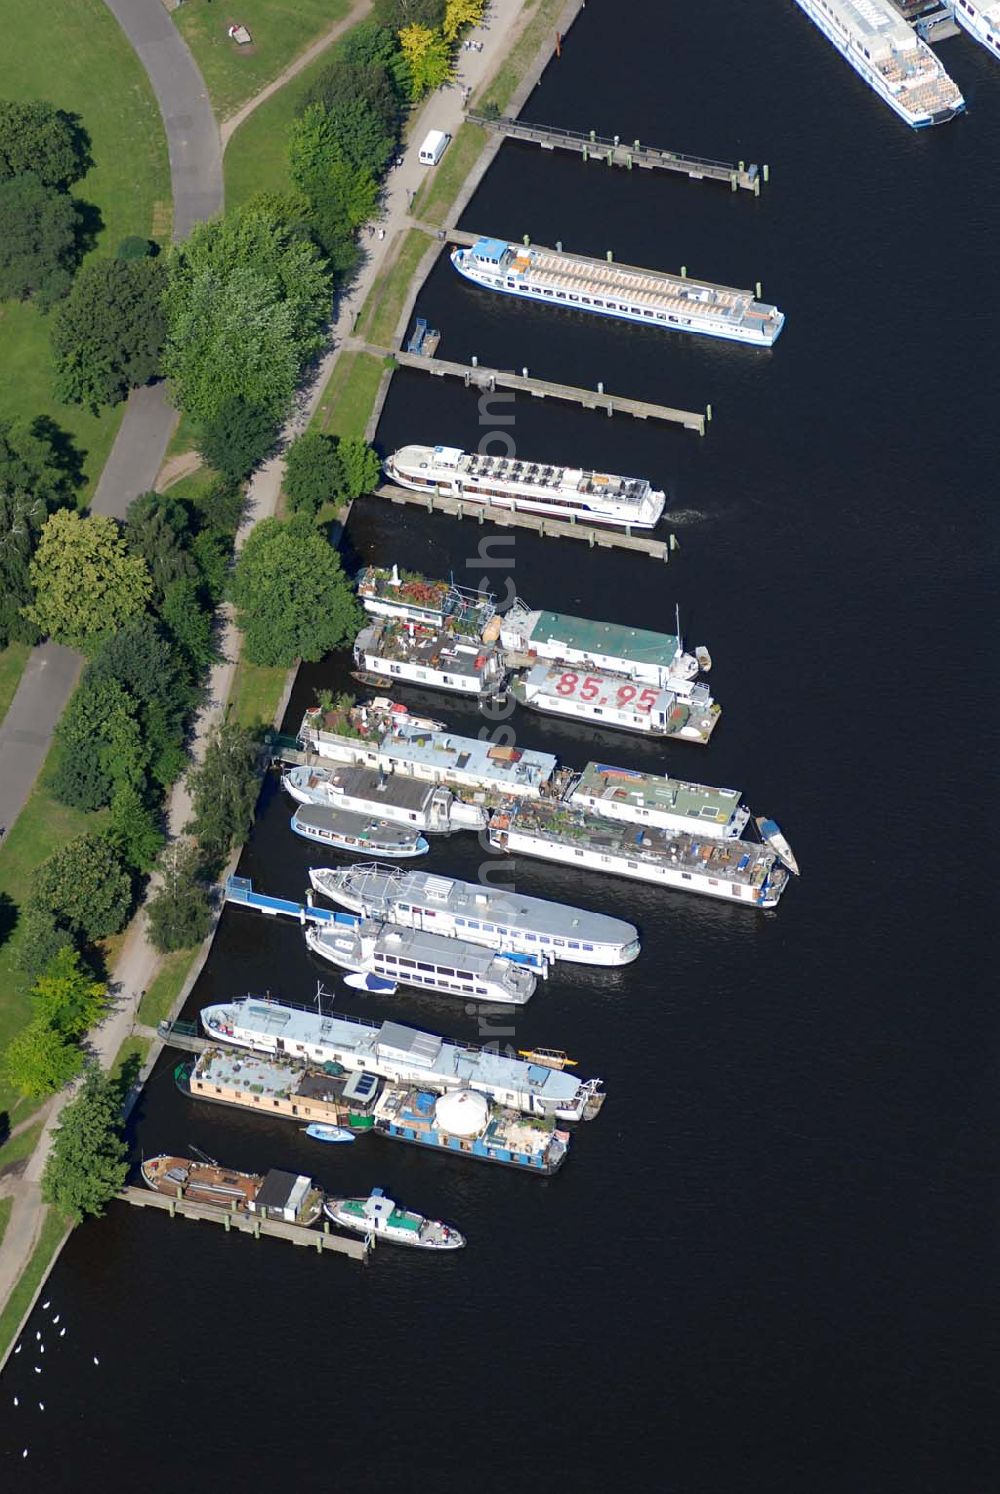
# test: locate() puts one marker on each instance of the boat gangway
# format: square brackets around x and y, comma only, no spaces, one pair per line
[247,1224]
[239,890]
[181,1035]
[615,151]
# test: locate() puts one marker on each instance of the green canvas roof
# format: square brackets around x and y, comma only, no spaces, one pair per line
[611,640]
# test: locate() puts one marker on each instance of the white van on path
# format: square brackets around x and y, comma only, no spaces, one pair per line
[433,147]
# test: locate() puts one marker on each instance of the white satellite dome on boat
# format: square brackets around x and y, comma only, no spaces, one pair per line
[463,1112]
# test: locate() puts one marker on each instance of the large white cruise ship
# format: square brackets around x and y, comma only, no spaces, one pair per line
[672,303]
[890,57]
[981,19]
[531,487]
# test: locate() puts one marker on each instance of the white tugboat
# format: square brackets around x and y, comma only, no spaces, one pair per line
[500,920]
[379,1217]
[527,487]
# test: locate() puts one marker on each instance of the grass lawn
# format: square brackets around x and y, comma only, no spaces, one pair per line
[12,661]
[132,1047]
[6,1204]
[349,395]
[54,1229]
[257,689]
[159,1000]
[73,53]
[378,316]
[20,1146]
[42,827]
[281,29]
[501,86]
[434,199]
[256,158]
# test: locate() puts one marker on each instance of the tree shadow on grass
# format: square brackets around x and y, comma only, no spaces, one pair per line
[66,455]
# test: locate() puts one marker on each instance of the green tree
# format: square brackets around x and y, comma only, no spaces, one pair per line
[133,829]
[224,789]
[36,459]
[238,438]
[67,997]
[102,744]
[461,13]
[39,1060]
[365,75]
[86,583]
[292,597]
[362,468]
[179,915]
[38,137]
[189,625]
[314,472]
[142,661]
[39,227]
[41,940]
[85,888]
[247,304]
[395,14]
[21,519]
[342,192]
[157,527]
[88,1163]
[428,57]
[108,333]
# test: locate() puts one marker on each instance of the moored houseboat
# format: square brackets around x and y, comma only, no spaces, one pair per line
[464,1123]
[616,702]
[427,807]
[357,832]
[402,1054]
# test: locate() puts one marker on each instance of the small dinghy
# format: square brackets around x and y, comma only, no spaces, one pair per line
[770,834]
[376,983]
[704,658]
[319,1132]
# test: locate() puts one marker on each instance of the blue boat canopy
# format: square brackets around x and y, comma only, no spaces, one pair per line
[492,250]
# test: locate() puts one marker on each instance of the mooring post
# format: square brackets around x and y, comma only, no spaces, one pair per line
[593,136]
[526,240]
[227,1220]
[759,292]
[733,183]
[767,172]
[628,162]
[610,255]
[708,412]
[756,186]
[635,145]
[173,1208]
[600,386]
[742,167]
[684,272]
[586,157]
[674,542]
[559,245]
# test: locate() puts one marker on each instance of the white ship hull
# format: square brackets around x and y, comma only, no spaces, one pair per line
[759,337]
[641,723]
[583,949]
[981,22]
[356,955]
[616,864]
[521,498]
[852,49]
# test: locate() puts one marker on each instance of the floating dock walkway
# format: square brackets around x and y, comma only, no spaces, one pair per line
[591,399]
[617,152]
[247,1224]
[603,539]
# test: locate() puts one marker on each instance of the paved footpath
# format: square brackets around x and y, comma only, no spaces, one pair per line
[138,961]
[137,454]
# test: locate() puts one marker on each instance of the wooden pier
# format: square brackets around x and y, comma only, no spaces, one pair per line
[615,151]
[591,399]
[247,1224]
[602,539]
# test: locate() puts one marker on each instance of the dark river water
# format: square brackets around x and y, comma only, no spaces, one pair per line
[769,1264]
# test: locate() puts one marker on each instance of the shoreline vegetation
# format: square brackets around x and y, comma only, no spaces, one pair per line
[344,409]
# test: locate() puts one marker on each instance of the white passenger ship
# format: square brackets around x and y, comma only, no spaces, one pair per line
[430,962]
[391,1050]
[481,915]
[529,487]
[672,303]
[890,57]
[981,19]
